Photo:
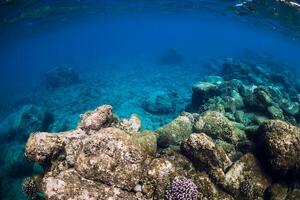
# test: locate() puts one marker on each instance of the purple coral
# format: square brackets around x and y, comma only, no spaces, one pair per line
[182,188]
[29,187]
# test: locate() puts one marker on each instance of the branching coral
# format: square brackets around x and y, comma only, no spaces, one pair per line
[182,188]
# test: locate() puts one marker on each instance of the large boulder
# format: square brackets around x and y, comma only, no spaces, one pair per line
[217,126]
[202,91]
[147,140]
[204,153]
[91,162]
[43,147]
[281,144]
[246,179]
[111,156]
[175,132]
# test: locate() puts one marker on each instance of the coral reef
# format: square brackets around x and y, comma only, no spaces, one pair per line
[249,94]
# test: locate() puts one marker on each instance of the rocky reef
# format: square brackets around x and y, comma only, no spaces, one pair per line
[239,140]
[249,93]
[109,158]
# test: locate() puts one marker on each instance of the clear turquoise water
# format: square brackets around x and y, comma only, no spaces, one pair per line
[117,47]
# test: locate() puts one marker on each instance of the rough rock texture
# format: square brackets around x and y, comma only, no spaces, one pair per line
[132,125]
[294,194]
[92,162]
[101,117]
[69,184]
[174,132]
[281,144]
[147,140]
[204,153]
[159,174]
[246,179]
[41,147]
[111,156]
[217,126]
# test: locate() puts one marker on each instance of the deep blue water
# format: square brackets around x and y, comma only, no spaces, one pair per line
[117,57]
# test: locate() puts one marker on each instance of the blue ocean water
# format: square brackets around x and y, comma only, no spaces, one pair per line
[123,53]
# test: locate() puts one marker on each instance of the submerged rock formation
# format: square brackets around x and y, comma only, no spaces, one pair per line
[249,94]
[105,159]
[281,145]
[243,134]
[92,162]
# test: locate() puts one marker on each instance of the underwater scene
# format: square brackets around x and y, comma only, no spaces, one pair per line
[150,100]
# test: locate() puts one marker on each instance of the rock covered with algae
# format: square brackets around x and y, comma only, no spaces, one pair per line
[246,179]
[105,159]
[204,153]
[110,158]
[281,144]
[175,131]
[92,162]
[249,93]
